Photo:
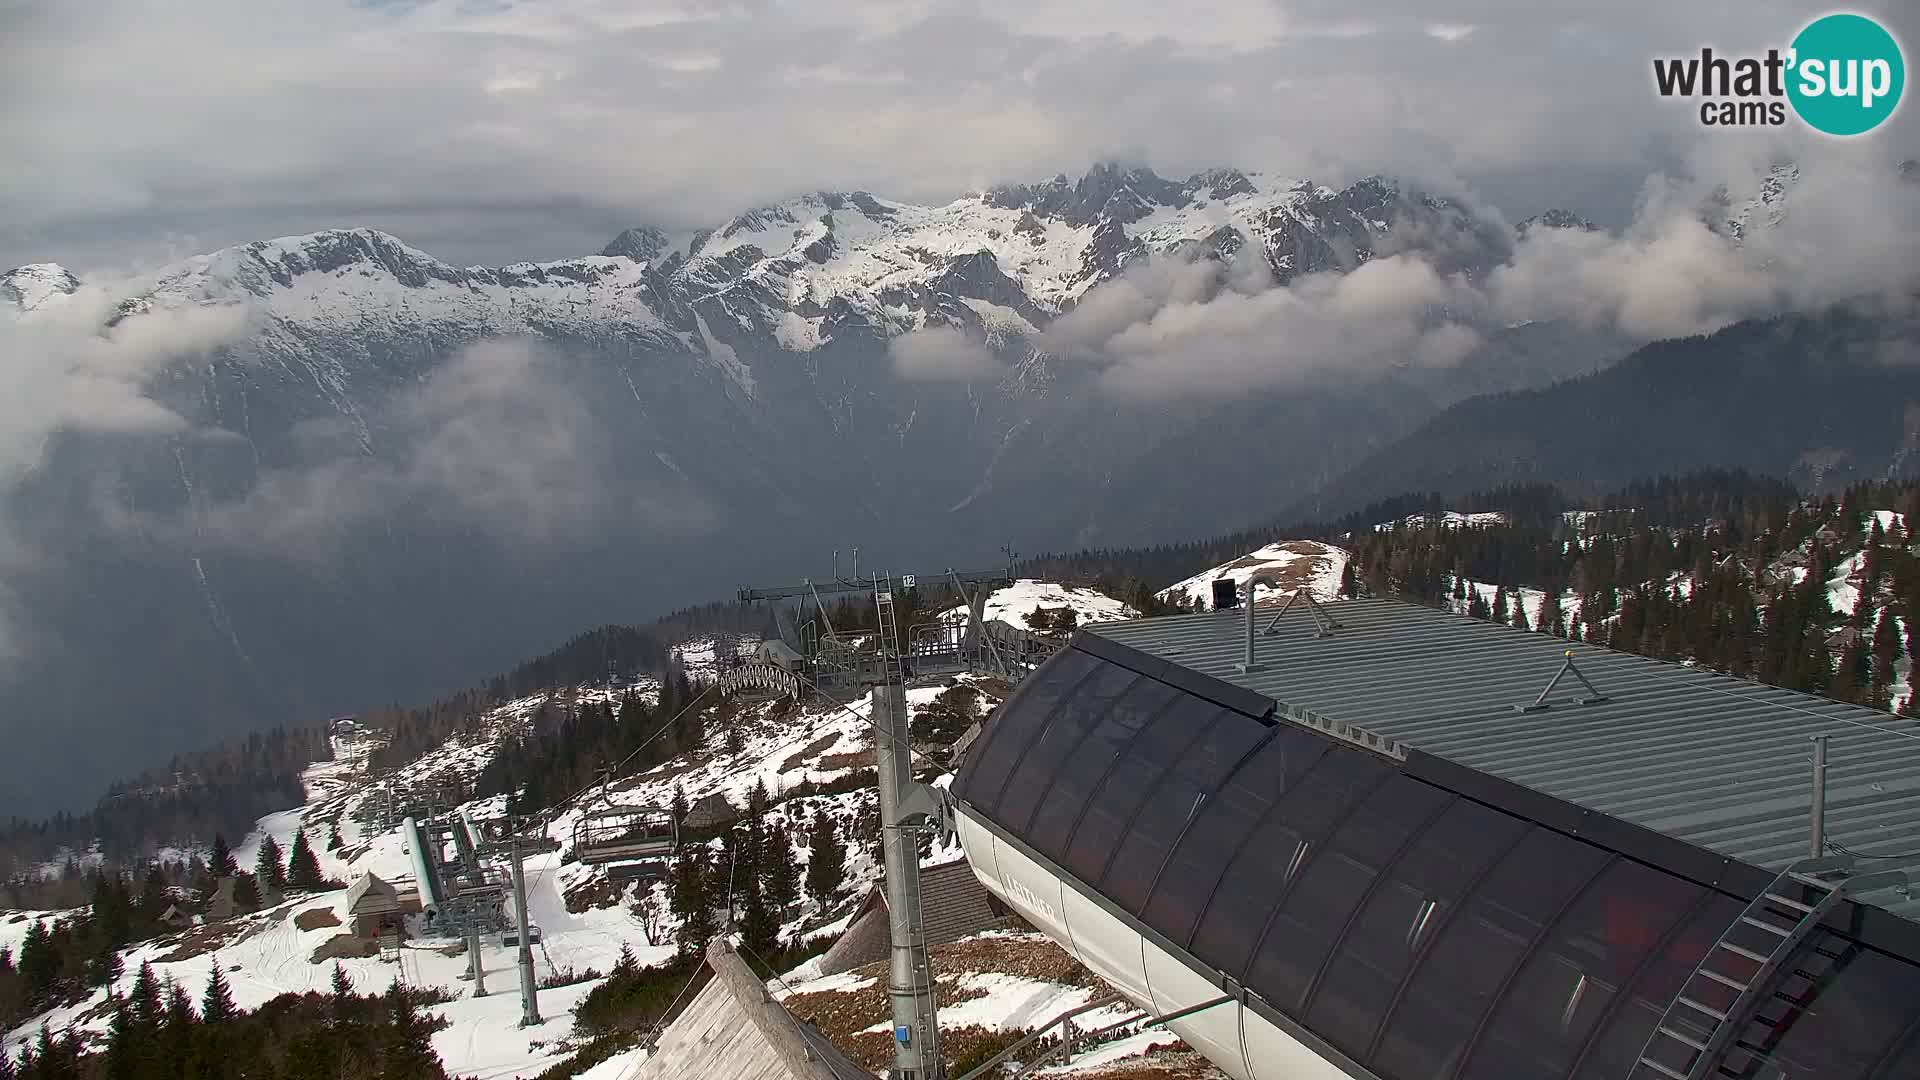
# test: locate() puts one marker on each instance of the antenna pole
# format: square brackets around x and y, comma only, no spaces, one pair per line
[1817,842]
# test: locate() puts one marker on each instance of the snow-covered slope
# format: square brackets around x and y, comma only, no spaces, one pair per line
[1013,603]
[584,922]
[1296,564]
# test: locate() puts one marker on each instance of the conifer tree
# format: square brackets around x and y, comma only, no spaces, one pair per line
[303,867]
[6,1065]
[154,893]
[106,968]
[52,1063]
[246,895]
[1477,606]
[216,1004]
[1855,671]
[1349,584]
[39,966]
[679,806]
[1817,673]
[408,1053]
[826,860]
[149,1007]
[1552,619]
[1499,614]
[1886,651]
[782,871]
[180,1012]
[268,870]
[759,929]
[697,925]
[626,964]
[687,898]
[1520,611]
[125,1041]
[342,985]
[334,840]
[220,861]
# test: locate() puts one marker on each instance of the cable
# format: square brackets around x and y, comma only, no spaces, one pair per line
[777,977]
[1845,850]
[800,1028]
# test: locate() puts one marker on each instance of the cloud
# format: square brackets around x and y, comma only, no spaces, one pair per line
[65,372]
[525,129]
[943,354]
[498,441]
[1204,329]
[1843,232]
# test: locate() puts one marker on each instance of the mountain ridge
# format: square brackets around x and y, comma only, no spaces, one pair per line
[1053,241]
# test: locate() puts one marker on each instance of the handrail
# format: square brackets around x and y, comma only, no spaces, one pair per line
[983,1068]
[1067,1044]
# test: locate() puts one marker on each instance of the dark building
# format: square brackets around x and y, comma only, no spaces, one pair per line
[1381,857]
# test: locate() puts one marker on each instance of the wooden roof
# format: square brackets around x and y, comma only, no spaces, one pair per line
[734,1029]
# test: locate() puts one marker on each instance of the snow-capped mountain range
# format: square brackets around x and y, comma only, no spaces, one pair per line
[353,494]
[798,273]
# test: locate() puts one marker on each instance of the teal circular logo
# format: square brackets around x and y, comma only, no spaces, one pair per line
[1846,74]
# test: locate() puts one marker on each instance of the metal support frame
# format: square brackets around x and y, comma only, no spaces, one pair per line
[523,836]
[906,808]
[1324,622]
[1567,667]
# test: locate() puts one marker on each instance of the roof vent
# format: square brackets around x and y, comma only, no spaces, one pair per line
[1225,594]
[1540,703]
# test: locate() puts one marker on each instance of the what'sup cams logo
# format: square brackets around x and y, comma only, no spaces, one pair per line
[1842,75]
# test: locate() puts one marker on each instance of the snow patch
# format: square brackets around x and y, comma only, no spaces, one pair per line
[1298,564]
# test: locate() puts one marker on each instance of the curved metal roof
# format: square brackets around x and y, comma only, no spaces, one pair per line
[1718,762]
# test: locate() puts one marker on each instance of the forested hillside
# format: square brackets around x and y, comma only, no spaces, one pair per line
[1826,402]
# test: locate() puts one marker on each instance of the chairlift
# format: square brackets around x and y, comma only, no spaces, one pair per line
[625,834]
[510,938]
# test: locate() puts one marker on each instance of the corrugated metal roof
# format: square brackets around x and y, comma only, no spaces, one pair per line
[1719,762]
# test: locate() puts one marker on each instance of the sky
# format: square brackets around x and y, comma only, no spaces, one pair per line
[491,131]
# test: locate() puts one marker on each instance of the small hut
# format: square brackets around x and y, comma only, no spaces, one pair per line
[378,909]
[711,811]
[221,905]
[953,904]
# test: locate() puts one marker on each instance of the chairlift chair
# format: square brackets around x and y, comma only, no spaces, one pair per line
[625,834]
[510,937]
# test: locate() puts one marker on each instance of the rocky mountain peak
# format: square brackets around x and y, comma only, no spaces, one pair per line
[1557,219]
[29,286]
[642,244]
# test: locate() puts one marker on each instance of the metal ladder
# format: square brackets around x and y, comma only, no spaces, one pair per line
[1738,973]
[890,670]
